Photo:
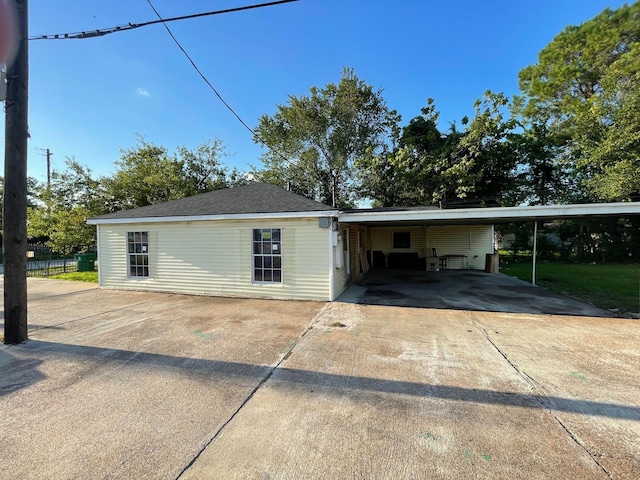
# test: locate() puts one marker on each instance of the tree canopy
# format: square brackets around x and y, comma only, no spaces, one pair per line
[585,90]
[572,135]
[145,174]
[314,140]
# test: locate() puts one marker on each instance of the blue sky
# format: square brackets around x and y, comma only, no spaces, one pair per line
[89,98]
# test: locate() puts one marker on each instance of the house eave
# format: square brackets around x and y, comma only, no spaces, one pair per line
[494,214]
[205,218]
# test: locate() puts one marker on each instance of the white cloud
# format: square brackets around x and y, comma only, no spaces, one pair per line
[143,92]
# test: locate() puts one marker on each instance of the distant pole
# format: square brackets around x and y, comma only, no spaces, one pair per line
[48,168]
[15,186]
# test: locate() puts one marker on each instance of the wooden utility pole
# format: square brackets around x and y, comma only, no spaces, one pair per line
[48,168]
[15,186]
[47,153]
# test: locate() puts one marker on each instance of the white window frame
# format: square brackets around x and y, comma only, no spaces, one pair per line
[257,247]
[138,249]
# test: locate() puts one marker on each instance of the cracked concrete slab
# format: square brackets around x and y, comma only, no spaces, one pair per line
[419,393]
[142,385]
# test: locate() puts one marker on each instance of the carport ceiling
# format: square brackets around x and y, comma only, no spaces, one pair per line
[490,215]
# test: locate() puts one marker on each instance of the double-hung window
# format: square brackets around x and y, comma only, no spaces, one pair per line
[138,254]
[267,255]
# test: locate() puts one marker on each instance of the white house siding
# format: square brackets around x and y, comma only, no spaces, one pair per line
[215,258]
[474,241]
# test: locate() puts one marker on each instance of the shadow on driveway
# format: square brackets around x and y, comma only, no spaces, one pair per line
[18,373]
[339,384]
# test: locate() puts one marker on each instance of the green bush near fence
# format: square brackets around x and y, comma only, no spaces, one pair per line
[609,286]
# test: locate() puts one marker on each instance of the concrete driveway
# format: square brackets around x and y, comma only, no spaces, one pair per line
[468,290]
[140,385]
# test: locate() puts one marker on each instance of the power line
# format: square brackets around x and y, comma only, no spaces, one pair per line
[206,80]
[130,26]
[198,70]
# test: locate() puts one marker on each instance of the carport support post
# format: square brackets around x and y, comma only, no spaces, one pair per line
[357,253]
[535,251]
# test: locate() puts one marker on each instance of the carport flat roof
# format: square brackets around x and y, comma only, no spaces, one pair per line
[489,215]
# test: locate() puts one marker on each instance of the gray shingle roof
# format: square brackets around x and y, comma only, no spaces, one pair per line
[247,199]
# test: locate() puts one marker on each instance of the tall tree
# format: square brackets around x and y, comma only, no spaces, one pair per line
[474,166]
[483,161]
[62,208]
[148,174]
[145,175]
[202,168]
[585,89]
[314,140]
[541,179]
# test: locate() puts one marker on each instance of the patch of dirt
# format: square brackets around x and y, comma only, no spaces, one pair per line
[337,316]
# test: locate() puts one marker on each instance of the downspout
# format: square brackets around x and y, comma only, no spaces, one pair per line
[98,255]
[535,251]
[357,272]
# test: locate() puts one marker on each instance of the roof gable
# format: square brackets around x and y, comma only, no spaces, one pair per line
[255,198]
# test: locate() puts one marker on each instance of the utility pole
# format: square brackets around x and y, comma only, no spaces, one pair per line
[48,168]
[48,155]
[15,186]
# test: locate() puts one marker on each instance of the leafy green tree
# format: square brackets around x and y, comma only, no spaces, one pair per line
[60,212]
[483,162]
[475,166]
[541,178]
[145,175]
[202,168]
[148,174]
[411,173]
[585,90]
[314,140]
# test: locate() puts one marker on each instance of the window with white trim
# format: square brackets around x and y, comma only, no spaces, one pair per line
[138,254]
[267,255]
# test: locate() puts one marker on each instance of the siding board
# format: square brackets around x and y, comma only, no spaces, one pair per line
[215,258]
[474,241]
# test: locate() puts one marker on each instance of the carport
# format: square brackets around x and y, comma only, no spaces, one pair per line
[463,237]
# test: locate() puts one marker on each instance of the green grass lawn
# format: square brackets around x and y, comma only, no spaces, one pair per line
[77,276]
[603,285]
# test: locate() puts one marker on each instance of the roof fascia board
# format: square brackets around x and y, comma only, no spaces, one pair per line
[203,218]
[538,211]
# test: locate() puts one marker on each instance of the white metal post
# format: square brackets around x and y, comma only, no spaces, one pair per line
[535,248]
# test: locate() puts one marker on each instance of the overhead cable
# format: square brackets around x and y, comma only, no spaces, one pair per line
[206,80]
[130,26]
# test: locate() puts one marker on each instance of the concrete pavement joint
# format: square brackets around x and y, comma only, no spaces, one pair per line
[578,442]
[541,390]
[264,380]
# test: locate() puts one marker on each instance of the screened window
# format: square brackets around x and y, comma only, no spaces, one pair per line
[138,253]
[267,255]
[401,239]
